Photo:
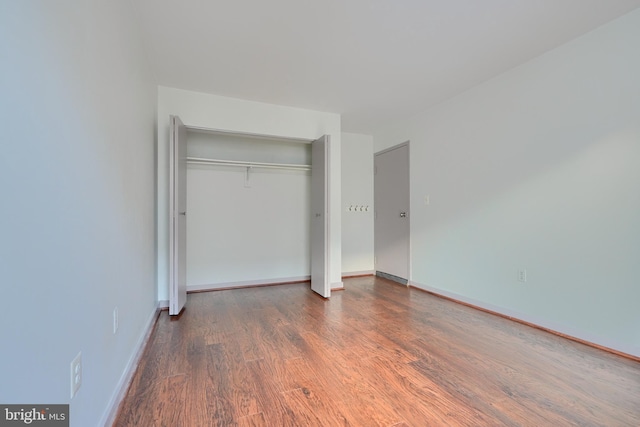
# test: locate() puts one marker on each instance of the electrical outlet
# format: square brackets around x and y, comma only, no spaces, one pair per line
[76,374]
[115,320]
[522,275]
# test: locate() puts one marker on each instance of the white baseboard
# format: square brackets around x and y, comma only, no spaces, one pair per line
[536,321]
[162,304]
[246,283]
[337,286]
[121,389]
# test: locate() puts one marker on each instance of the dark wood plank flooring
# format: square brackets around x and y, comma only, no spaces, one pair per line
[376,354]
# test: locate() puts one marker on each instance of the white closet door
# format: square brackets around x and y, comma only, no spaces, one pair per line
[178,216]
[319,217]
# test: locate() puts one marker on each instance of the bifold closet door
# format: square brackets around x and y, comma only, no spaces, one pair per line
[320,282]
[177,215]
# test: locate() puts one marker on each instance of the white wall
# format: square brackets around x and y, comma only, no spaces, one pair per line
[357,192]
[229,114]
[537,169]
[77,217]
[240,231]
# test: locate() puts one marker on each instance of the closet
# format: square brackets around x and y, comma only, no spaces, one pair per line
[254,211]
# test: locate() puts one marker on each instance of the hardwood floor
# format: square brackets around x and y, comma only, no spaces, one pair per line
[376,354]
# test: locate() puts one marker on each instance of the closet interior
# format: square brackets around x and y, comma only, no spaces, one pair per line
[248,204]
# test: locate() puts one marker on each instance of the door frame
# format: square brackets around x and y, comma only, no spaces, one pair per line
[408,169]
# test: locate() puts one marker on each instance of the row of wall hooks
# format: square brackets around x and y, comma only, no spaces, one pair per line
[358,208]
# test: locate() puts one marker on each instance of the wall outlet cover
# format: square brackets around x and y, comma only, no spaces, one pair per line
[522,275]
[76,374]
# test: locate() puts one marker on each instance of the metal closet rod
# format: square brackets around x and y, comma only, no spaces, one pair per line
[289,166]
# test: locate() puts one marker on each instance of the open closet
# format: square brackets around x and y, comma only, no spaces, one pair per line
[245,210]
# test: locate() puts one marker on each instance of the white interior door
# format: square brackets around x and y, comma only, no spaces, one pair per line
[391,199]
[178,216]
[320,282]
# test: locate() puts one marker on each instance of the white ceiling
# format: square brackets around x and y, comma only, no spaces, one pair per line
[369,60]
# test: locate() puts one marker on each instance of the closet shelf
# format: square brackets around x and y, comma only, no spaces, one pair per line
[219,162]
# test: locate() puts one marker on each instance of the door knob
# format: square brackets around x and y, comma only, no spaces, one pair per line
[403,214]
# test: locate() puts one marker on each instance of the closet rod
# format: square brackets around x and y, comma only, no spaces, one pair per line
[201,161]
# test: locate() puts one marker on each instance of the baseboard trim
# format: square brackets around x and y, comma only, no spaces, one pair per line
[247,284]
[393,278]
[352,274]
[339,286]
[121,389]
[523,319]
